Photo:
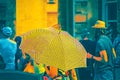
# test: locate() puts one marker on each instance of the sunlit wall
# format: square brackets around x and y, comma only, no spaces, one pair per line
[32,14]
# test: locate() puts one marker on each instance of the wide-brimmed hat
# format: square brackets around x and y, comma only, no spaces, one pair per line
[99,24]
[7,31]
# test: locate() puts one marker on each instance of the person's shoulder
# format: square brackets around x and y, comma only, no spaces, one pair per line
[13,42]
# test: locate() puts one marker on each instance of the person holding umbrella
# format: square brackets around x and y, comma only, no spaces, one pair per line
[56,73]
[87,72]
[104,55]
[54,47]
[72,73]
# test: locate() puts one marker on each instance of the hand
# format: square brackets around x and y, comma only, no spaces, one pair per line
[89,56]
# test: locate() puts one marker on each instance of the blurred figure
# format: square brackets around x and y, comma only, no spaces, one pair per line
[72,74]
[104,55]
[52,72]
[29,67]
[24,61]
[27,64]
[116,45]
[89,45]
[18,54]
[8,48]
[41,68]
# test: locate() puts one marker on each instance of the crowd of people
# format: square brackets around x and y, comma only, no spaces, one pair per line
[102,56]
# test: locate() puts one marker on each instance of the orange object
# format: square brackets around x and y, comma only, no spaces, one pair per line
[52,71]
[29,68]
[74,76]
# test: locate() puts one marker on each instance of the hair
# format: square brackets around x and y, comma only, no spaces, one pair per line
[102,31]
[18,40]
[99,32]
[85,35]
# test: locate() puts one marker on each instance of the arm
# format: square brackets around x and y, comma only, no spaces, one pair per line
[90,56]
[103,56]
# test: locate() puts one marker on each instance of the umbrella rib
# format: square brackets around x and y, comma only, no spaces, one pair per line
[63,50]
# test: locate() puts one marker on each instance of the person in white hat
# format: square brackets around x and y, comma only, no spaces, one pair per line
[104,55]
[8,48]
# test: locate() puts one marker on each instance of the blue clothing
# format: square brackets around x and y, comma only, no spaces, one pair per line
[18,54]
[90,47]
[22,64]
[87,73]
[104,75]
[8,49]
[116,45]
[104,68]
[24,61]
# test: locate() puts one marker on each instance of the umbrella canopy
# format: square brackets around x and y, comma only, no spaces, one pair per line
[54,48]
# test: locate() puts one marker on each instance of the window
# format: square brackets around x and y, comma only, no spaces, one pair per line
[80,17]
[112,11]
[2,23]
[111,17]
[84,3]
[111,0]
[112,28]
[2,11]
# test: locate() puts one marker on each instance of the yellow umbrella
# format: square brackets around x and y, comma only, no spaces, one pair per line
[54,48]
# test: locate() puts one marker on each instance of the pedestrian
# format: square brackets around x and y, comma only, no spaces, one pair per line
[24,60]
[89,45]
[116,45]
[18,54]
[27,64]
[8,48]
[104,55]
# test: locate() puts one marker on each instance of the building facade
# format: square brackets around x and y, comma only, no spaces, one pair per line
[32,14]
[7,14]
[81,14]
[73,15]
